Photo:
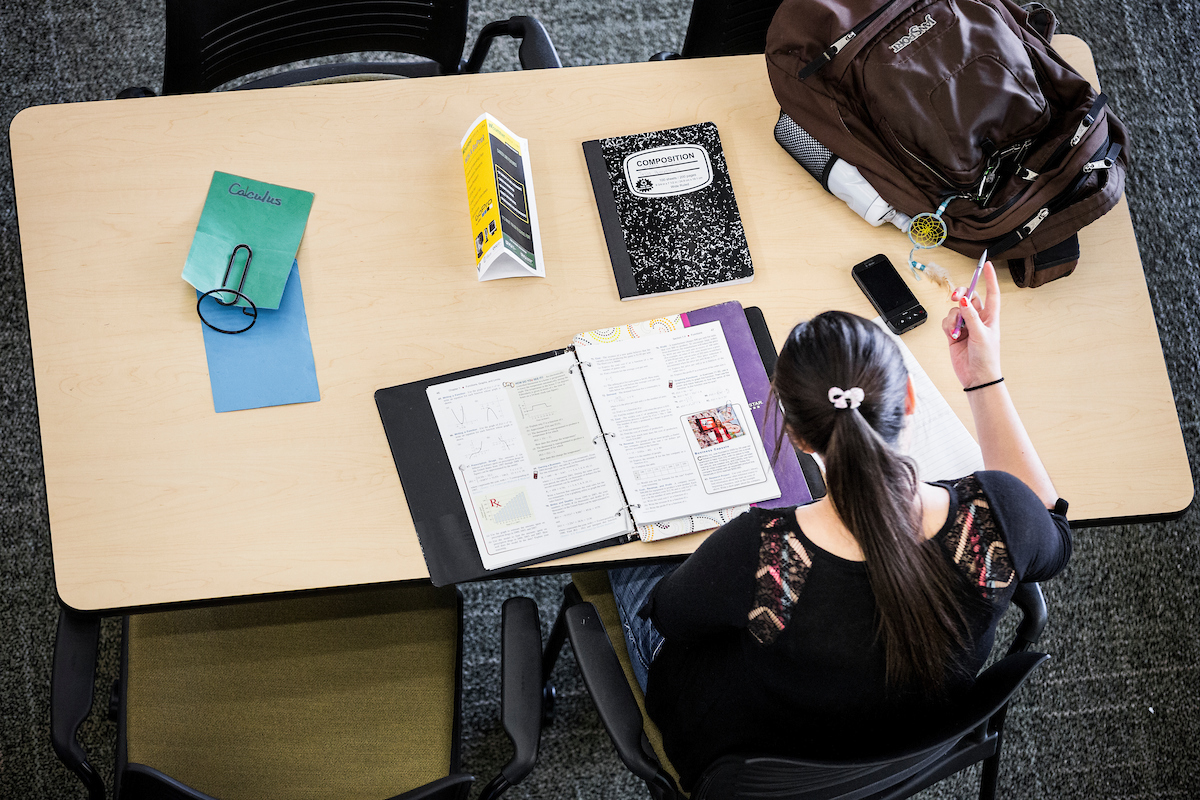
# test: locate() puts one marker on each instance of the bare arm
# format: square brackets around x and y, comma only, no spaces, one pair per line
[976,359]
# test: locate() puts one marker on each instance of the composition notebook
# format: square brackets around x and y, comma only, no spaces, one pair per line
[637,432]
[668,211]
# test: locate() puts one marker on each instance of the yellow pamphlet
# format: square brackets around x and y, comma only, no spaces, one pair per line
[500,194]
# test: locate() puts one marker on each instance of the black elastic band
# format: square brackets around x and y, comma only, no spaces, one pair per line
[982,385]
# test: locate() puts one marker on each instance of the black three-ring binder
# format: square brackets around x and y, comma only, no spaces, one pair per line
[428,477]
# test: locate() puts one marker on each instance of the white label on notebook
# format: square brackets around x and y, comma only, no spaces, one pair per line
[665,171]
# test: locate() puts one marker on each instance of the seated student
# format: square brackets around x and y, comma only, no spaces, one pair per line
[835,627]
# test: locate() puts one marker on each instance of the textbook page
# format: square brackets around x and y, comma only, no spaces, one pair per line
[677,526]
[532,472]
[678,424]
[935,437]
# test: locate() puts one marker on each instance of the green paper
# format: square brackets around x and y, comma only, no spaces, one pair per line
[268,218]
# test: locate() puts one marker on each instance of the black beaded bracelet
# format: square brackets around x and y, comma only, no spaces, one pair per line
[982,385]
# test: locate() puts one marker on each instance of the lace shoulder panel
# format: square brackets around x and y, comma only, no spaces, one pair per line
[974,542]
[783,564]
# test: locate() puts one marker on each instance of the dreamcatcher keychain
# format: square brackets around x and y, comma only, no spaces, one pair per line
[927,231]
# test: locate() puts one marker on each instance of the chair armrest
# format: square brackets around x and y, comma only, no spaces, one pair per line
[996,685]
[452,787]
[983,708]
[520,691]
[1028,597]
[536,51]
[606,683]
[999,682]
[141,781]
[665,55]
[521,683]
[135,91]
[72,683]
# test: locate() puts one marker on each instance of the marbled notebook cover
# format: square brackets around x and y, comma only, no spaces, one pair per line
[691,238]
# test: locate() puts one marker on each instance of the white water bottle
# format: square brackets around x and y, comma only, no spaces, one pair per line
[841,179]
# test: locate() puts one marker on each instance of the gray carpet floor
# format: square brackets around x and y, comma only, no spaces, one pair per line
[1116,714]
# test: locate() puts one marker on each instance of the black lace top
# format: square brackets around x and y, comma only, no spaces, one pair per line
[771,644]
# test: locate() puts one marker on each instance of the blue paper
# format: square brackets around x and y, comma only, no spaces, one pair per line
[269,365]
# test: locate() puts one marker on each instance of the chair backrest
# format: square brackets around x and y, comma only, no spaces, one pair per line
[279,696]
[210,42]
[971,731]
[728,27]
[965,736]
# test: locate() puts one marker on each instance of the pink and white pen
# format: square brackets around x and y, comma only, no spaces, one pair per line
[954,334]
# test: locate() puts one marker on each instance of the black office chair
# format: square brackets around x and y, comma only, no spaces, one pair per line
[212,42]
[725,28]
[972,734]
[347,695]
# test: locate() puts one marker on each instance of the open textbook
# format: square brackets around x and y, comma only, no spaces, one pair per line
[587,445]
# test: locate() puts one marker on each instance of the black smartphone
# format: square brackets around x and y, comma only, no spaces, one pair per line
[888,292]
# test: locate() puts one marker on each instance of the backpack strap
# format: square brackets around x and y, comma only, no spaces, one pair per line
[1041,20]
[1050,264]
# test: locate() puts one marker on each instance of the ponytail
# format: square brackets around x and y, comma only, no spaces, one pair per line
[873,489]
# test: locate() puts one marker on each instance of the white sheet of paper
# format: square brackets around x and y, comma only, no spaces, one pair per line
[680,429]
[675,526]
[937,440]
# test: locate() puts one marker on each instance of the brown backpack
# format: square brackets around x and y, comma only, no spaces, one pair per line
[962,99]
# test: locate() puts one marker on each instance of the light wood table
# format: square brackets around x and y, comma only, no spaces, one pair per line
[154,498]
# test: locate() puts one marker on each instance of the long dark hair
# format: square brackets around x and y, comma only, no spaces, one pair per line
[873,488]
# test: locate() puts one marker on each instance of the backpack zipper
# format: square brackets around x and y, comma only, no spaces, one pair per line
[1016,198]
[1012,201]
[1102,163]
[1089,119]
[1054,205]
[956,187]
[837,47]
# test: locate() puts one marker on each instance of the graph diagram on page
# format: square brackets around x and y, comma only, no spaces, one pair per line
[503,508]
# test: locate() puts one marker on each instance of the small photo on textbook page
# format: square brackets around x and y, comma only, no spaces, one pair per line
[715,425]
[725,456]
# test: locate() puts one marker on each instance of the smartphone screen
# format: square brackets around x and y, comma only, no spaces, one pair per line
[884,285]
[890,295]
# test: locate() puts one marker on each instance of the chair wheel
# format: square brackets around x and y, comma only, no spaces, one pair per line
[548,695]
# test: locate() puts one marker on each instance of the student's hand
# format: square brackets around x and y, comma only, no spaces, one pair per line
[975,355]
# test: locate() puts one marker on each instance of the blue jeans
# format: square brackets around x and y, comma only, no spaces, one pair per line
[631,587]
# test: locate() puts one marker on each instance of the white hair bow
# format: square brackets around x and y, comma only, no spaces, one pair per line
[850,398]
